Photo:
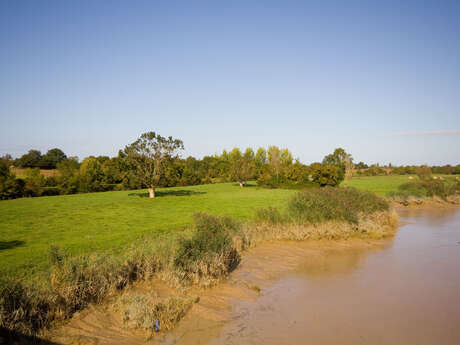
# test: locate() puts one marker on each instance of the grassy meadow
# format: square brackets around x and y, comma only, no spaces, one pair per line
[379,185]
[111,221]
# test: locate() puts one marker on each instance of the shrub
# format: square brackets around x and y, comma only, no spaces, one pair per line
[426,188]
[209,251]
[423,172]
[318,205]
[326,175]
[412,189]
[11,188]
[434,188]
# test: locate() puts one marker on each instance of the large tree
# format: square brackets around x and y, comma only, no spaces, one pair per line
[340,159]
[52,158]
[150,155]
[29,160]
[241,165]
[274,160]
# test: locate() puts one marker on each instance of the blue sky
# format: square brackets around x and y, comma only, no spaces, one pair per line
[378,78]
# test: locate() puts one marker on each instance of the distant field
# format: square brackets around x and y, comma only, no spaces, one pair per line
[110,221]
[380,185]
[22,172]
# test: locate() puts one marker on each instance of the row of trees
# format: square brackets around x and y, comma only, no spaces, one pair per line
[362,169]
[153,161]
[35,159]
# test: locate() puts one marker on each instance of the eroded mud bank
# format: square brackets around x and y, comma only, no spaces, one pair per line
[261,268]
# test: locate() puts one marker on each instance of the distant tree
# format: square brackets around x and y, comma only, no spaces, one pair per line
[190,175]
[150,156]
[341,159]
[52,158]
[11,187]
[361,166]
[298,173]
[326,175]
[7,159]
[34,182]
[91,175]
[240,165]
[285,157]
[68,179]
[249,161]
[260,158]
[111,169]
[249,155]
[4,168]
[29,160]
[274,160]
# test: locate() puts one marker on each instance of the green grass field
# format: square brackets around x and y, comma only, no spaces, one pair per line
[111,221]
[379,185]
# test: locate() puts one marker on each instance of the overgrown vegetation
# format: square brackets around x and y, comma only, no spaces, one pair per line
[428,187]
[327,213]
[316,205]
[148,310]
[209,252]
[201,255]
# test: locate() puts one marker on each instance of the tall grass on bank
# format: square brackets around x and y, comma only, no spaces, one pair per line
[445,190]
[209,253]
[202,255]
[317,205]
[327,213]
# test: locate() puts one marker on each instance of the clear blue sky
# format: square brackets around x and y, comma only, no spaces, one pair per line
[378,78]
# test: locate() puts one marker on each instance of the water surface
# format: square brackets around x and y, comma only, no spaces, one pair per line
[406,291]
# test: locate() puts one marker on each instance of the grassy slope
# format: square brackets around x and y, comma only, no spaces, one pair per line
[110,221]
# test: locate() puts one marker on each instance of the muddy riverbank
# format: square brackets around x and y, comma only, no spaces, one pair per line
[401,290]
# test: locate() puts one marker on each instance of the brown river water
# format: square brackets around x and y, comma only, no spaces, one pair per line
[400,291]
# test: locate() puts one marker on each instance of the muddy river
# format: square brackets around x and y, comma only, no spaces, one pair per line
[406,291]
[401,291]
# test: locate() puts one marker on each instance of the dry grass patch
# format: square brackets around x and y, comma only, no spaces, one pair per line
[144,311]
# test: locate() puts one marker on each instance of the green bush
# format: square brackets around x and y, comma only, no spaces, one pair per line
[413,189]
[211,238]
[11,187]
[423,172]
[326,175]
[318,205]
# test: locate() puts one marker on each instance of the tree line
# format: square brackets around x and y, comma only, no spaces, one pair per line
[362,169]
[153,161]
